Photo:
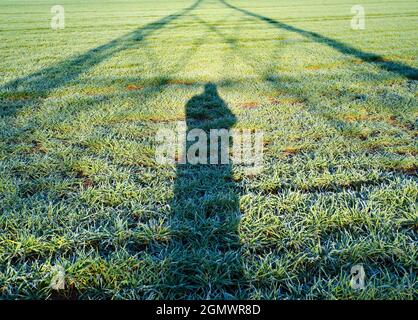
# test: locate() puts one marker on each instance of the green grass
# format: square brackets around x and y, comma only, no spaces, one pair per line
[80,188]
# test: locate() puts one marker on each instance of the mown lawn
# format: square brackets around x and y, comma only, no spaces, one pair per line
[80,187]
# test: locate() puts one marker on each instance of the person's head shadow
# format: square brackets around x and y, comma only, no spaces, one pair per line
[209,111]
[205,258]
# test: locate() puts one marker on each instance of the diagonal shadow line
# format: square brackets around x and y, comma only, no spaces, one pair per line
[164,80]
[373,58]
[47,79]
[177,66]
[269,76]
[233,43]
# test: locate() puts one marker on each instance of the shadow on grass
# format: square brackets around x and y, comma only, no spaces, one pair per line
[205,252]
[392,66]
[40,83]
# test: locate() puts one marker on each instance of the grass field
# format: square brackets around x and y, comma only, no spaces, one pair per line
[80,187]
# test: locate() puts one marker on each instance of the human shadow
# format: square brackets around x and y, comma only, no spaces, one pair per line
[377,60]
[39,84]
[205,250]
